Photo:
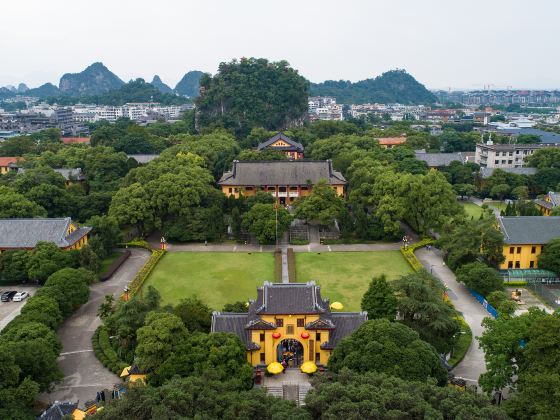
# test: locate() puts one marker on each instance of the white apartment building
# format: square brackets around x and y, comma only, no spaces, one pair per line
[489,155]
[324,108]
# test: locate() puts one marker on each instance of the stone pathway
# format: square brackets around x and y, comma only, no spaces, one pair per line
[84,375]
[472,366]
[285,273]
[292,385]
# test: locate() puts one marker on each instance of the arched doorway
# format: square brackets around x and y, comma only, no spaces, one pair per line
[290,350]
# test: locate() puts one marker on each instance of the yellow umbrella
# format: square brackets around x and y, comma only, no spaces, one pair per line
[275,368]
[125,371]
[308,367]
[337,306]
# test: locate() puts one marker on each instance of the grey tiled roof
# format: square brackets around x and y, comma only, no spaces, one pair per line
[233,323]
[25,233]
[289,298]
[58,410]
[527,170]
[281,172]
[294,145]
[439,159]
[529,229]
[69,174]
[346,323]
[142,159]
[554,198]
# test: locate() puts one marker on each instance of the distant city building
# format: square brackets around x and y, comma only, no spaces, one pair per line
[324,108]
[491,155]
[284,144]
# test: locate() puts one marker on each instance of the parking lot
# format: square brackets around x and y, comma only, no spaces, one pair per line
[9,310]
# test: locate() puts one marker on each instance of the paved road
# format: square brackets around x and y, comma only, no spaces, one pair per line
[9,310]
[84,375]
[395,246]
[472,366]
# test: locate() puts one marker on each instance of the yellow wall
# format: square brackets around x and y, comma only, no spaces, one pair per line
[247,191]
[522,254]
[4,170]
[269,346]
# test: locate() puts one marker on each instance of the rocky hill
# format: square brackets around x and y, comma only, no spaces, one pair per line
[94,80]
[189,85]
[43,91]
[395,86]
[159,85]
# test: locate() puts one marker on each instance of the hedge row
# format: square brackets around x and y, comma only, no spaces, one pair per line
[136,284]
[408,253]
[278,265]
[463,343]
[115,266]
[292,265]
[515,283]
[105,353]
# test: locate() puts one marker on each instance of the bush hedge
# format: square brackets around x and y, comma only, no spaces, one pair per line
[408,253]
[115,266]
[105,353]
[136,284]
[462,344]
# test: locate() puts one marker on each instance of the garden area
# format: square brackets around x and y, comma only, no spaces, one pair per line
[216,278]
[472,210]
[345,276]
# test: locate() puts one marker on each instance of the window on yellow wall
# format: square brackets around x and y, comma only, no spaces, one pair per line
[511,248]
[531,264]
[519,250]
[318,337]
[261,337]
[533,249]
[289,329]
[279,322]
[300,322]
[317,358]
[517,264]
[510,264]
[262,358]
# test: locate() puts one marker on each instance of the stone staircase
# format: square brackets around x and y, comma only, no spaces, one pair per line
[289,391]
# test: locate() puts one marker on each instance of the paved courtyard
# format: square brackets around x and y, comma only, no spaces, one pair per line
[9,310]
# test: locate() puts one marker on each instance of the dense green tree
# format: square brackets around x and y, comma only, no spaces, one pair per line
[35,177]
[545,158]
[16,402]
[218,356]
[17,146]
[236,307]
[106,308]
[352,395]
[472,239]
[500,191]
[388,347]
[379,301]
[322,205]
[14,205]
[43,309]
[521,192]
[464,190]
[13,266]
[30,331]
[158,339]
[252,93]
[423,308]
[550,256]
[264,222]
[69,286]
[46,259]
[260,197]
[479,277]
[266,154]
[200,398]
[195,314]
[56,201]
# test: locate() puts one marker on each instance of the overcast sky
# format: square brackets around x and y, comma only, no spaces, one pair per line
[443,43]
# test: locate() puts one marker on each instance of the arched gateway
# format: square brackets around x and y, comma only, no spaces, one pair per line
[288,320]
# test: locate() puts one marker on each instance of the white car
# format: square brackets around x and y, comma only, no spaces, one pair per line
[20,296]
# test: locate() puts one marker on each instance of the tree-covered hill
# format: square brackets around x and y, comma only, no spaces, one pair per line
[159,85]
[395,86]
[190,83]
[43,91]
[96,79]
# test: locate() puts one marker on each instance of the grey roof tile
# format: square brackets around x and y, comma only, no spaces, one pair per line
[25,233]
[281,172]
[529,229]
[294,145]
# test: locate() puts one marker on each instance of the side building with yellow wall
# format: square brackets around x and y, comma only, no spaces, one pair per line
[286,180]
[288,321]
[549,203]
[26,233]
[525,237]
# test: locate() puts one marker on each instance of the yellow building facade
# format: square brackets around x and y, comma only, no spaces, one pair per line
[549,203]
[285,180]
[525,237]
[288,322]
[282,143]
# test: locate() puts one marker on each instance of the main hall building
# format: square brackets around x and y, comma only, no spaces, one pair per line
[284,179]
[289,317]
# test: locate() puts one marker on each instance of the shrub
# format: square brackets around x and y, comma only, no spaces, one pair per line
[105,352]
[480,278]
[408,253]
[145,271]
[43,309]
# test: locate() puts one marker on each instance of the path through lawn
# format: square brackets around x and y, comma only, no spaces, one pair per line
[345,276]
[215,277]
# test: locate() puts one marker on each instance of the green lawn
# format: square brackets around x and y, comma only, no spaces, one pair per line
[215,277]
[500,205]
[106,263]
[345,276]
[472,209]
